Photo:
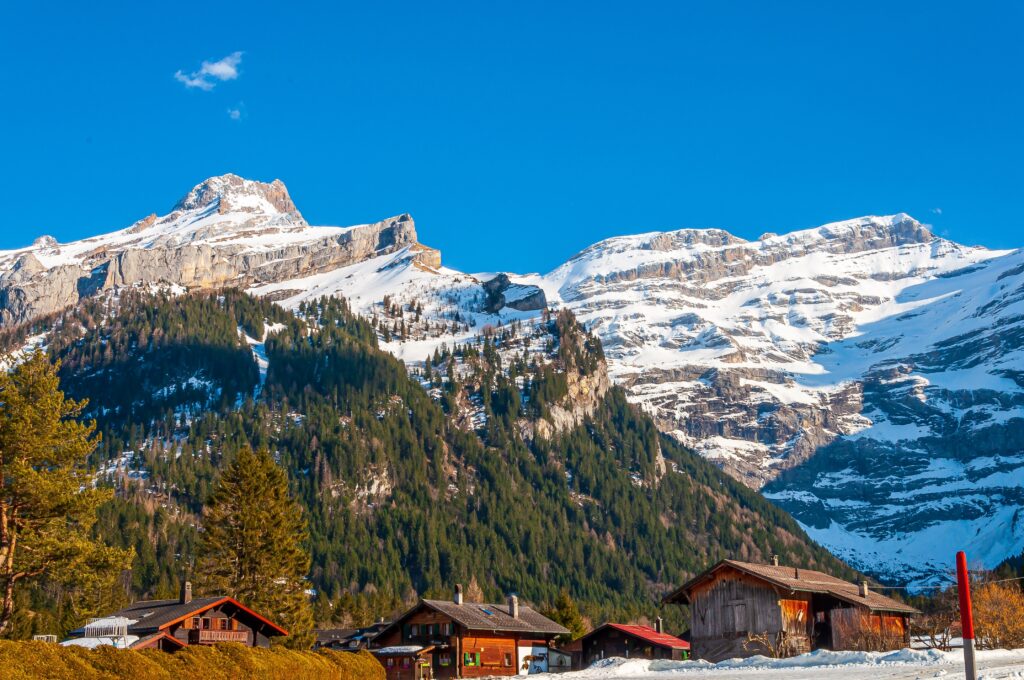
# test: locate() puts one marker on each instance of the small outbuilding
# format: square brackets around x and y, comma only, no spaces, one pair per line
[632,642]
[739,609]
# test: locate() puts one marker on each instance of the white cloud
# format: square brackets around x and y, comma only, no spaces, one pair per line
[937,211]
[234,114]
[210,72]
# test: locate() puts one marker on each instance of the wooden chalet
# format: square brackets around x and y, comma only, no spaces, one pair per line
[738,609]
[456,639]
[172,624]
[632,642]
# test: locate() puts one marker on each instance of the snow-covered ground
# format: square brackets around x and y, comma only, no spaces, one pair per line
[904,664]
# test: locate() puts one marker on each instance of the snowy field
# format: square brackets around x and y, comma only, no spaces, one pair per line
[905,664]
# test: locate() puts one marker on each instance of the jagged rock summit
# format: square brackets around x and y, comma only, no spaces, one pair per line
[225,231]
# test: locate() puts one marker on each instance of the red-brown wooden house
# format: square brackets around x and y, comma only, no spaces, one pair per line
[456,639]
[172,624]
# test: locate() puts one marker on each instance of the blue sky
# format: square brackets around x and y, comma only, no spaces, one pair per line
[518,133]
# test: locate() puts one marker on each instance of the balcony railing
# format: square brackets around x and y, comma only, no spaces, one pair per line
[209,637]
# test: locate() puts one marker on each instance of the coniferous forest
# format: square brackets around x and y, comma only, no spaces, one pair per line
[403,495]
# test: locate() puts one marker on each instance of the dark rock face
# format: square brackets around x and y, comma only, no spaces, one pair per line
[501,293]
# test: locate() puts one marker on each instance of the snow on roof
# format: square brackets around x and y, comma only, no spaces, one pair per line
[120,641]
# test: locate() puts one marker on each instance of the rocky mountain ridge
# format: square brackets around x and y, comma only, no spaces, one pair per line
[225,231]
[866,374]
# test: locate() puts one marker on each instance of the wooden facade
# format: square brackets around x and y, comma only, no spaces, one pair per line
[466,640]
[170,624]
[740,609]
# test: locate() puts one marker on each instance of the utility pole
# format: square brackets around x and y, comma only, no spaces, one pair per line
[963,584]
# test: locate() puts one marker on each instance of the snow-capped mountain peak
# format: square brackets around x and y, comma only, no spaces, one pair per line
[231,193]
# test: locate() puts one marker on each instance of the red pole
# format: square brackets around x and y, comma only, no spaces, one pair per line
[963,585]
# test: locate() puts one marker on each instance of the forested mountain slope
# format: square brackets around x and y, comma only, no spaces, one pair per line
[511,463]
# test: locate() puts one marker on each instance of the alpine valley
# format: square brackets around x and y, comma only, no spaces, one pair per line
[623,417]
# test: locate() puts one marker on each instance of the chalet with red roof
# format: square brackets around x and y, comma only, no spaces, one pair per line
[738,609]
[632,642]
[172,624]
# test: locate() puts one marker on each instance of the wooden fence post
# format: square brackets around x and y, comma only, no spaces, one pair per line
[963,584]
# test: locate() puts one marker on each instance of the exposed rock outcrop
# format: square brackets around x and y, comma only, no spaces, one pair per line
[501,293]
[226,231]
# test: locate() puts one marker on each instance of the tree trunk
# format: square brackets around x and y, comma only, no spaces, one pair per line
[7,608]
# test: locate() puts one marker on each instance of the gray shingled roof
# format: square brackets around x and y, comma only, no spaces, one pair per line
[802,580]
[492,617]
[150,615]
[477,616]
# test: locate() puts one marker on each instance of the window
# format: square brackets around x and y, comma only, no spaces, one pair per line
[471,659]
[194,623]
[391,662]
[406,662]
[414,630]
[508,659]
[446,629]
[444,660]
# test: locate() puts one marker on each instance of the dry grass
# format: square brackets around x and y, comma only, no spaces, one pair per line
[32,660]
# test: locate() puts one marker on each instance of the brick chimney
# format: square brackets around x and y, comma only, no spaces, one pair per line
[513,606]
[775,560]
[659,625]
[186,592]
[864,589]
[458,594]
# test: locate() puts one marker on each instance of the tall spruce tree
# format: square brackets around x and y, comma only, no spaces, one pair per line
[47,500]
[568,614]
[253,545]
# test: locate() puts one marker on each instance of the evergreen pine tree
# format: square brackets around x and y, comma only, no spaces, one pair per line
[47,500]
[568,614]
[252,546]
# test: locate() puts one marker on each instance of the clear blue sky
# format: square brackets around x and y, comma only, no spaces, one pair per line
[517,133]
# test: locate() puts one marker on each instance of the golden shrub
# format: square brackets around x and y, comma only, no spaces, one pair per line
[33,660]
[999,616]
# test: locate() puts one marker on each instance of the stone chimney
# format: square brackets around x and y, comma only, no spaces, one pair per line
[186,592]
[458,594]
[864,589]
[659,625]
[513,606]
[775,560]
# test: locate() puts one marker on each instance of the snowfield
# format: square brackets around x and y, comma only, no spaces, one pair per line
[906,663]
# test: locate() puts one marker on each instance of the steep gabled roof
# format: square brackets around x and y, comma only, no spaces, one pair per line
[489,617]
[156,639]
[496,617]
[797,579]
[645,633]
[150,616]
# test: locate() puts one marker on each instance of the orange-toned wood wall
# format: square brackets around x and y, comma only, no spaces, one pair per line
[497,655]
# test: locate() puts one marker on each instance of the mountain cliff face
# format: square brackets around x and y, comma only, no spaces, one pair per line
[225,231]
[866,375]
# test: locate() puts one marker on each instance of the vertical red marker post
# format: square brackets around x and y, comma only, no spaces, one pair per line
[963,584]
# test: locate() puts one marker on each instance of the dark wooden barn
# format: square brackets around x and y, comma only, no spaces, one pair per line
[739,609]
[456,639]
[631,642]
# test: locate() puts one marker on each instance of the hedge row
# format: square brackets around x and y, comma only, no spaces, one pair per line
[33,660]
